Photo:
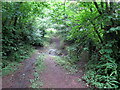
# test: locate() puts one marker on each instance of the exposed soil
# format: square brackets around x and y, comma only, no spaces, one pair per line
[53,76]
[20,78]
[56,77]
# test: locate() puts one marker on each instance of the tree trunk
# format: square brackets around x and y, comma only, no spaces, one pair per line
[15,21]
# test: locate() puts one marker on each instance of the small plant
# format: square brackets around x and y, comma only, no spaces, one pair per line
[39,67]
[64,62]
[10,68]
[36,82]
[39,64]
[102,74]
[10,63]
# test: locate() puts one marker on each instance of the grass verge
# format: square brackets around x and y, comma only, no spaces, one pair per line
[13,65]
[39,67]
[63,61]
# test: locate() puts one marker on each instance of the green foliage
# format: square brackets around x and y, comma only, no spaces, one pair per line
[21,29]
[65,63]
[73,53]
[36,84]
[10,68]
[90,26]
[39,66]
[10,63]
[102,74]
[113,29]
[93,27]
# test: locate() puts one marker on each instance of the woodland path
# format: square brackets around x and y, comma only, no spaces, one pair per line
[53,76]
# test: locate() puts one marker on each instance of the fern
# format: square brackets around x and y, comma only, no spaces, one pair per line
[102,74]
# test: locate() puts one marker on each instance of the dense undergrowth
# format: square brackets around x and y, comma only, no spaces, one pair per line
[23,27]
[93,27]
[12,62]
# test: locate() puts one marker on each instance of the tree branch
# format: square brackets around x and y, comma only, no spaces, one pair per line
[96,5]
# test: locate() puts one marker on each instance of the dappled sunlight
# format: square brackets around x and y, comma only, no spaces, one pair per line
[68,36]
[52,30]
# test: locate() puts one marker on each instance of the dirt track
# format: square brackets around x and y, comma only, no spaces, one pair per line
[53,75]
[56,77]
[20,78]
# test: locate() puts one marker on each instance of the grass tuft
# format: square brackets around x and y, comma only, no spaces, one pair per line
[39,67]
[62,61]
